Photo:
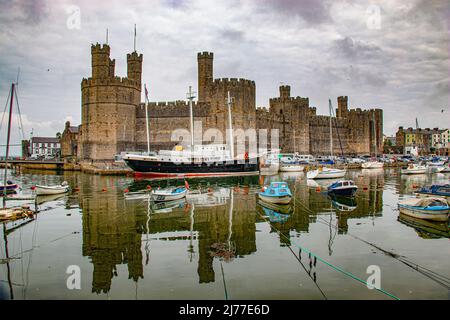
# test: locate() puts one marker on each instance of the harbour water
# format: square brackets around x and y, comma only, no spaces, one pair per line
[225,246]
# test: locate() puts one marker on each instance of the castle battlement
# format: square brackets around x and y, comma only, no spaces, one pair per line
[168,109]
[134,56]
[98,48]
[233,82]
[115,81]
[297,99]
[205,54]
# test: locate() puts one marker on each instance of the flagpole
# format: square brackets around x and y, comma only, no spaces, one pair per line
[146,119]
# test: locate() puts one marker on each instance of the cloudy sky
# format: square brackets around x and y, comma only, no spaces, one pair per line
[392,55]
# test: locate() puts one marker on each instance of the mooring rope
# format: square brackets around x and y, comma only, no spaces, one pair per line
[442,280]
[311,254]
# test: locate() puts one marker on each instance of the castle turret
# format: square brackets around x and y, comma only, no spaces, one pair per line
[112,66]
[100,61]
[342,109]
[134,67]
[285,92]
[205,75]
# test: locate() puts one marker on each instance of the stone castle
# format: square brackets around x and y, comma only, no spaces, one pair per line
[113,116]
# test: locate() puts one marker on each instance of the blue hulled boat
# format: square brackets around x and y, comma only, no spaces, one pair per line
[9,188]
[435,190]
[343,188]
[434,208]
[277,192]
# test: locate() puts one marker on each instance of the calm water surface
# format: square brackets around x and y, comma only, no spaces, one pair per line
[225,245]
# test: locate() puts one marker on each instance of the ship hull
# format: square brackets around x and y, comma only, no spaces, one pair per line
[155,168]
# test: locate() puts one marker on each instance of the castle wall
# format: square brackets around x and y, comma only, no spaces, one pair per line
[113,117]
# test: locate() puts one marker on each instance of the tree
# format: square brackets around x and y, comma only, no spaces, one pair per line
[58,135]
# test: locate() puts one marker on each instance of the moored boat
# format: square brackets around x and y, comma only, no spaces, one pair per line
[47,190]
[372,165]
[293,166]
[433,208]
[168,194]
[326,173]
[435,191]
[194,160]
[276,193]
[343,188]
[413,168]
[10,187]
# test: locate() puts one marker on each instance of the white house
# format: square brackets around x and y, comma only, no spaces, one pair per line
[45,147]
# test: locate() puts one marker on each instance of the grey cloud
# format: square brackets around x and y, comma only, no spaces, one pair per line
[29,12]
[232,35]
[311,11]
[354,49]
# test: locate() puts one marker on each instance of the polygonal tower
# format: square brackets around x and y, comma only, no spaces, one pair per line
[108,107]
[134,67]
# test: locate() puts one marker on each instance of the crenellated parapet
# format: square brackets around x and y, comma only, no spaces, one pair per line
[233,82]
[172,109]
[114,81]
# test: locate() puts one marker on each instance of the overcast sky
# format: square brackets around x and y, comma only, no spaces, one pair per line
[392,55]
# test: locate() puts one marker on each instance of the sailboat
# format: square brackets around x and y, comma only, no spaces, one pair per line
[373,163]
[197,159]
[8,186]
[324,172]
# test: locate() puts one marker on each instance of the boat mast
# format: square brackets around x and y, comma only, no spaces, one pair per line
[230,126]
[11,103]
[191,115]
[331,131]
[374,134]
[146,119]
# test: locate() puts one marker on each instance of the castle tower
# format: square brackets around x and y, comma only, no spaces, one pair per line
[100,61]
[342,109]
[112,66]
[108,107]
[205,75]
[134,67]
[285,92]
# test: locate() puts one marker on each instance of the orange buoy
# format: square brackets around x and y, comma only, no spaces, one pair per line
[33,187]
[76,189]
[104,189]
[318,189]
[126,190]
[149,187]
[365,188]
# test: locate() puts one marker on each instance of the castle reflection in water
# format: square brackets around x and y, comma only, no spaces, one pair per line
[114,229]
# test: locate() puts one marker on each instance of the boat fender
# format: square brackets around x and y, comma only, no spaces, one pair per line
[149,187]
[126,191]
[33,187]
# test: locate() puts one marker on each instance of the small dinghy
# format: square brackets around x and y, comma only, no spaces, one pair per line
[168,194]
[290,165]
[435,191]
[9,188]
[343,188]
[326,173]
[414,169]
[434,208]
[276,193]
[372,165]
[47,190]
